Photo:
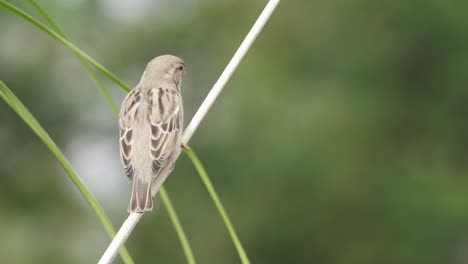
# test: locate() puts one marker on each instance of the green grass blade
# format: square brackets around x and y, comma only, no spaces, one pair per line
[49,20]
[83,62]
[96,81]
[178,227]
[214,196]
[9,97]
[15,10]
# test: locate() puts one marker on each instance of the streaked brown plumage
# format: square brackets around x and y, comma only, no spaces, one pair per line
[151,120]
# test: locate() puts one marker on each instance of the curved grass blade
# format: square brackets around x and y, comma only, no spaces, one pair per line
[214,196]
[9,97]
[83,62]
[178,227]
[64,41]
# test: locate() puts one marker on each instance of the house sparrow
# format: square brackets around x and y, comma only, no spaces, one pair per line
[151,120]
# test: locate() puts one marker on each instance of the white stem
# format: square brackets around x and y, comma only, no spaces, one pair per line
[230,68]
[120,238]
[133,218]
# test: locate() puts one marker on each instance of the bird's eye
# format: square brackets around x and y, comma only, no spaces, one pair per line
[180,68]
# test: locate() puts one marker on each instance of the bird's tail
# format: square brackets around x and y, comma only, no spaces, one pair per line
[141,199]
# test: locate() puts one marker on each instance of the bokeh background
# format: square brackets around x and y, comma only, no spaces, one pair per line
[341,138]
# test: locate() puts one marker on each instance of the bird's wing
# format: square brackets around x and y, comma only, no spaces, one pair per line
[166,125]
[127,122]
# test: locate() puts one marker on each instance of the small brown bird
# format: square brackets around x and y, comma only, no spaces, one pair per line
[151,122]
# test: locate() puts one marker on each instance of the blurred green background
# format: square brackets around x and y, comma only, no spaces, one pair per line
[341,138]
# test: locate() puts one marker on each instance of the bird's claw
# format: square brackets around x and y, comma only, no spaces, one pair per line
[184,146]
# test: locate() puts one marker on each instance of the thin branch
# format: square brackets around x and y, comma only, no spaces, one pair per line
[120,238]
[229,70]
[133,218]
[130,224]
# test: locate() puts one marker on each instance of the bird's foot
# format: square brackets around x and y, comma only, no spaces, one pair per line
[184,146]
